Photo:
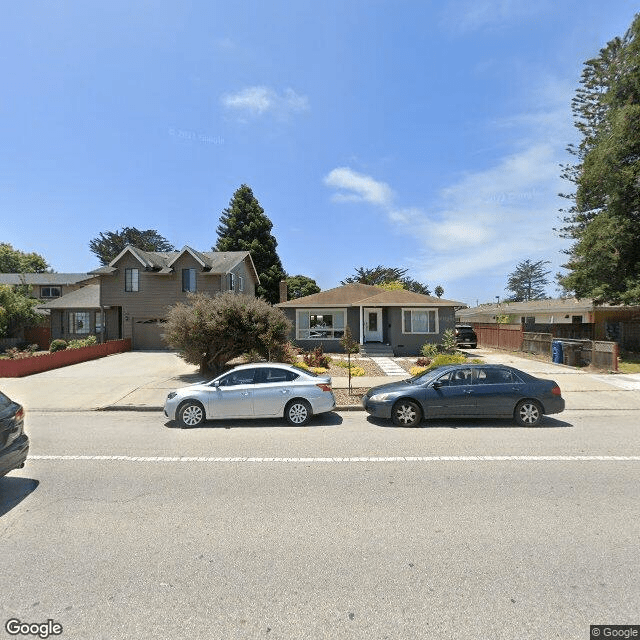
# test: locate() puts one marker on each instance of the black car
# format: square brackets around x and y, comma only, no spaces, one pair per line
[466,391]
[466,336]
[14,444]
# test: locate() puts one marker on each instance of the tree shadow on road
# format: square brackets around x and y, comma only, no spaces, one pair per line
[13,491]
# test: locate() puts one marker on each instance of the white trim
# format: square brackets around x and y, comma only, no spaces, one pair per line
[309,311]
[190,251]
[424,333]
[130,249]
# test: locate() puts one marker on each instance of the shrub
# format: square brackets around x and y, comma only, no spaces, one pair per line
[18,354]
[429,350]
[78,344]
[357,372]
[449,341]
[423,362]
[416,371]
[57,345]
[317,358]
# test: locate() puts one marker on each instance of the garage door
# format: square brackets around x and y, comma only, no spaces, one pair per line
[147,334]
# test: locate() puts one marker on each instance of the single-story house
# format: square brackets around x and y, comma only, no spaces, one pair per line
[137,287]
[402,319]
[563,318]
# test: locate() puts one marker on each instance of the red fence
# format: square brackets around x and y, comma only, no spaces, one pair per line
[38,335]
[500,336]
[37,364]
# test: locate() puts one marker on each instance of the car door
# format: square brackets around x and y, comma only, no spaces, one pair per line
[450,395]
[497,390]
[232,395]
[272,390]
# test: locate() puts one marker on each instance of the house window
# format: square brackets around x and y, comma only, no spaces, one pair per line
[419,321]
[50,292]
[98,322]
[240,283]
[79,322]
[132,279]
[232,282]
[320,324]
[189,280]
[576,319]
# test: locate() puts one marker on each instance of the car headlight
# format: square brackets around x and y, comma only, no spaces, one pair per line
[380,397]
[172,394]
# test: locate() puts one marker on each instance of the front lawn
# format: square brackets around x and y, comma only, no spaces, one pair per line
[629,362]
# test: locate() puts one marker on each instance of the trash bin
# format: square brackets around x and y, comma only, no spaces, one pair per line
[572,353]
[556,352]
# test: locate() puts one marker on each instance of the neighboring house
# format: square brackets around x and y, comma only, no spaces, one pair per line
[76,315]
[564,318]
[47,286]
[137,288]
[402,319]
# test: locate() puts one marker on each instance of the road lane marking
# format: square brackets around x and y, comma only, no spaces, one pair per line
[330,460]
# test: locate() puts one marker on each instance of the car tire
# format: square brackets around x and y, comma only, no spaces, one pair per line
[298,412]
[528,413]
[406,413]
[190,414]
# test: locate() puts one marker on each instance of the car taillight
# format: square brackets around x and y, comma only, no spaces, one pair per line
[19,414]
[324,386]
[556,391]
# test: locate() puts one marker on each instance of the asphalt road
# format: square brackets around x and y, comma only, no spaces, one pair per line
[122,527]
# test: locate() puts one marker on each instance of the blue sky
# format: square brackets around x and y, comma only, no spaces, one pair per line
[416,134]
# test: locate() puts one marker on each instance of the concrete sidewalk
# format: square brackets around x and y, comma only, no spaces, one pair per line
[139,380]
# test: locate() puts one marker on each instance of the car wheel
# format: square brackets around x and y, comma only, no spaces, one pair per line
[298,412]
[190,414]
[528,413]
[406,413]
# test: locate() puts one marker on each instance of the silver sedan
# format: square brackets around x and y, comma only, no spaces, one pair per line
[259,390]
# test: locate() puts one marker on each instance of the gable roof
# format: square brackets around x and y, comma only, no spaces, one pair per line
[357,295]
[215,262]
[84,298]
[44,278]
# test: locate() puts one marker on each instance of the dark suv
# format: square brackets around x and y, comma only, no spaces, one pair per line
[14,444]
[466,336]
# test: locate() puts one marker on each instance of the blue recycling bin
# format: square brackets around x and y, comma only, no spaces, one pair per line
[556,352]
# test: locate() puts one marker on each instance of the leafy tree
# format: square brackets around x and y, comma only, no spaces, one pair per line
[245,227]
[350,346]
[16,311]
[439,291]
[209,331]
[15,261]
[110,243]
[528,281]
[604,260]
[381,275]
[300,286]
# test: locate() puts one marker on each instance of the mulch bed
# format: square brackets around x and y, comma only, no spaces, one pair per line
[345,399]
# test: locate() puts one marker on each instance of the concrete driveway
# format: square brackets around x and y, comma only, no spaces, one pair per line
[129,380]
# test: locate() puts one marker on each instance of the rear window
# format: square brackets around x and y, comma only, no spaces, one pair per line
[4,401]
[308,372]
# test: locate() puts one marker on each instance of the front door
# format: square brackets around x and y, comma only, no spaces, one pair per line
[373,325]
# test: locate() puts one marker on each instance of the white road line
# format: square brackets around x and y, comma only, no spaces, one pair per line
[254,459]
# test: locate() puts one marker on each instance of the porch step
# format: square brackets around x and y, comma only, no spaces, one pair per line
[376,349]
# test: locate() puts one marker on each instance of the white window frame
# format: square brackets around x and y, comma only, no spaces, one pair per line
[240,283]
[427,310]
[232,281]
[303,322]
[50,292]
[131,279]
[191,286]
[74,322]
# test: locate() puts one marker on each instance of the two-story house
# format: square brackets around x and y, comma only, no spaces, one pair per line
[137,287]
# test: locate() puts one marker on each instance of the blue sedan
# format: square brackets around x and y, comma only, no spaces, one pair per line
[466,391]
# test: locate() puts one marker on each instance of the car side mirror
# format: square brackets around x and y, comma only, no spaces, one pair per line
[436,384]
[216,384]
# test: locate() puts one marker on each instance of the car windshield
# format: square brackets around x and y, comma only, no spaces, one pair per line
[426,377]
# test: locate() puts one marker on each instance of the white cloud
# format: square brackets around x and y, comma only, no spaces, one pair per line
[358,187]
[472,15]
[257,100]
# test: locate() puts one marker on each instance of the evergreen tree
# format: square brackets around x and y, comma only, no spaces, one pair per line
[300,286]
[245,227]
[16,261]
[110,243]
[604,261]
[381,275]
[528,281]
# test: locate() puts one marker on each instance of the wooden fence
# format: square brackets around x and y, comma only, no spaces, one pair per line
[500,336]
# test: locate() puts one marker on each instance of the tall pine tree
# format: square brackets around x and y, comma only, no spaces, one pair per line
[604,219]
[245,227]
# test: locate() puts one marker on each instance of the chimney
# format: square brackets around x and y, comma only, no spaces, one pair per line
[283,290]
